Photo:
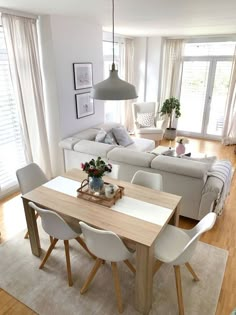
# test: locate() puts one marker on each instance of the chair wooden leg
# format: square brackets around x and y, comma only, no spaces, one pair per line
[67,252]
[82,243]
[91,275]
[190,269]
[51,239]
[48,253]
[117,286]
[179,289]
[27,233]
[130,266]
[157,266]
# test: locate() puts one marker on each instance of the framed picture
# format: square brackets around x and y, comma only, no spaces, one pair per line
[83,75]
[84,105]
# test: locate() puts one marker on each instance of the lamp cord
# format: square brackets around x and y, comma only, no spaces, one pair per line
[113,36]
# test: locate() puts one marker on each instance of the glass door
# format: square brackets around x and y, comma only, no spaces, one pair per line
[193,95]
[217,98]
[204,90]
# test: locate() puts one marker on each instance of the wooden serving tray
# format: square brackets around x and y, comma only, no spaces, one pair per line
[84,193]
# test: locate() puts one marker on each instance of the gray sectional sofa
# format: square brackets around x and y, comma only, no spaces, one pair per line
[187,178]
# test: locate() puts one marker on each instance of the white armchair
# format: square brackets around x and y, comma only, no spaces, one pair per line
[147,123]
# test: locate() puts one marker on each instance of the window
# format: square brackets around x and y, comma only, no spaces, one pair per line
[113,109]
[12,154]
[204,88]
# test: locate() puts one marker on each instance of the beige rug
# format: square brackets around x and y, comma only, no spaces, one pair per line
[46,291]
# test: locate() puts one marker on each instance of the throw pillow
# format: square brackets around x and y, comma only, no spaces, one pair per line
[110,139]
[122,136]
[100,135]
[145,119]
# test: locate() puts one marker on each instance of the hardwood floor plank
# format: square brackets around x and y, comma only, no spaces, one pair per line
[222,235]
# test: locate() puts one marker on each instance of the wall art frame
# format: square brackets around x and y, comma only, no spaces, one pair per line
[83,75]
[84,105]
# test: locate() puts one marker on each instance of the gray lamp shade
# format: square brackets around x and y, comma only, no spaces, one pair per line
[114,88]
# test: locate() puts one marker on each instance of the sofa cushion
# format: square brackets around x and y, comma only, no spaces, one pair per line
[100,135]
[110,139]
[88,134]
[122,155]
[180,166]
[142,145]
[93,148]
[122,136]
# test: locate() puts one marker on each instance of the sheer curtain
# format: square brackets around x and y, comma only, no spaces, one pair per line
[171,68]
[129,77]
[229,131]
[22,45]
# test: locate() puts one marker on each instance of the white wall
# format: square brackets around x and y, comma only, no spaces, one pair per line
[147,54]
[64,41]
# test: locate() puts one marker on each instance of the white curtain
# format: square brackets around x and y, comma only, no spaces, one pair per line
[229,130]
[22,45]
[172,65]
[129,77]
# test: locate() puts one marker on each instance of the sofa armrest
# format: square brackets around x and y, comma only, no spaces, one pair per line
[210,194]
[68,143]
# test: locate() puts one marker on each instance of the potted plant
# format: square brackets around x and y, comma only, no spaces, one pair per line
[95,170]
[171,108]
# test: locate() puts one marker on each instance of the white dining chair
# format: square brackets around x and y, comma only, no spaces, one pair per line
[149,180]
[175,246]
[55,226]
[30,177]
[108,246]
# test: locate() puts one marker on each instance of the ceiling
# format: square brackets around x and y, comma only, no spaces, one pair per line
[143,17]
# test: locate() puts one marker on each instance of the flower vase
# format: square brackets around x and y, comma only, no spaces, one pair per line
[180,149]
[96,184]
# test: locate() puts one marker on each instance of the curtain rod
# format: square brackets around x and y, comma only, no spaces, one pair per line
[18,13]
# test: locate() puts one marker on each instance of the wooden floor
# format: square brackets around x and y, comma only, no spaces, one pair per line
[223,234]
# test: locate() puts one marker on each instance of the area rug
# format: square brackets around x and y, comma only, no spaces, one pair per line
[47,293]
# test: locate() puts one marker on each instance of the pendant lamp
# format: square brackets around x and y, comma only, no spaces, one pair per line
[113,88]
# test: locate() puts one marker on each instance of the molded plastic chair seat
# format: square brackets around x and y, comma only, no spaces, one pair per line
[54,225]
[147,179]
[170,243]
[106,245]
[176,246]
[30,177]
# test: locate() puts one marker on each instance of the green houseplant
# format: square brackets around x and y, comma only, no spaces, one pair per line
[171,108]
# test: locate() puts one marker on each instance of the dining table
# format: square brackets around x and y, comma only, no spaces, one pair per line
[139,216]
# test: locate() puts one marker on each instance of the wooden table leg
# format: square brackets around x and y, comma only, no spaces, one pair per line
[175,218]
[32,228]
[144,277]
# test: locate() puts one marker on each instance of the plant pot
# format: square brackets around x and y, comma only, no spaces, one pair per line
[96,184]
[170,134]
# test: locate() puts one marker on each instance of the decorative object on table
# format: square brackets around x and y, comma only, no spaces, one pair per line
[95,170]
[107,197]
[114,88]
[180,149]
[83,75]
[84,105]
[171,108]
